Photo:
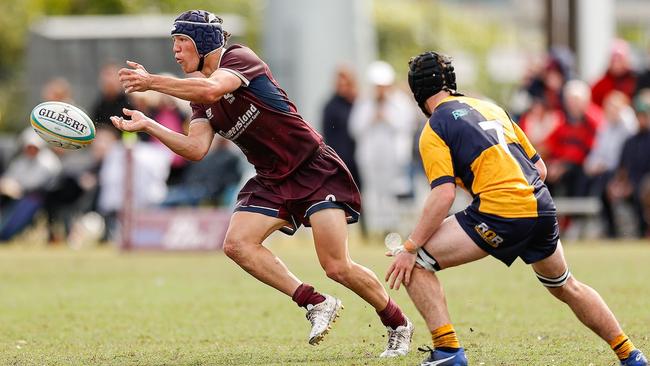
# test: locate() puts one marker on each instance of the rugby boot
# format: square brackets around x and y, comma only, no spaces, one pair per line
[399,340]
[636,358]
[441,358]
[321,316]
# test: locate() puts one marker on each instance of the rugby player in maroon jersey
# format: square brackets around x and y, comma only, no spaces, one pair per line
[299,181]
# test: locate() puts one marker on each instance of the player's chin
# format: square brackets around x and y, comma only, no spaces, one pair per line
[182,64]
[187,68]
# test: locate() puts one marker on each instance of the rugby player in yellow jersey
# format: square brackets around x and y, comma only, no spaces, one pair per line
[475,144]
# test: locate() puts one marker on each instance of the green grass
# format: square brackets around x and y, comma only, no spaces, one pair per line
[102,307]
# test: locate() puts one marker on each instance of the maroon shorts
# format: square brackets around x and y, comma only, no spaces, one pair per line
[323,181]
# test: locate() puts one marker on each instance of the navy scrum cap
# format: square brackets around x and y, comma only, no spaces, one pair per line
[203,28]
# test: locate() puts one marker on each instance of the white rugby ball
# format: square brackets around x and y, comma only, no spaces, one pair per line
[63,125]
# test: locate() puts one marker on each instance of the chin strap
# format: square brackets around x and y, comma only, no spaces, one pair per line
[201,61]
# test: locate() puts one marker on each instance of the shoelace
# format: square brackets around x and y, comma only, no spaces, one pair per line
[312,316]
[427,349]
[394,338]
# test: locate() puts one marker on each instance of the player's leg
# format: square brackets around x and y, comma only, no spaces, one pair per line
[450,246]
[329,228]
[586,304]
[243,244]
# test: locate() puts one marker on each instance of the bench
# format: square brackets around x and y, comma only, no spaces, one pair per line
[578,206]
[584,212]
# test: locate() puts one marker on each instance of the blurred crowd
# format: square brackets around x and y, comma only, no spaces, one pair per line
[593,139]
[74,189]
[592,136]
[375,135]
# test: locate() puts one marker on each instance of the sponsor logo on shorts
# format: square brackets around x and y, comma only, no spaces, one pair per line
[488,235]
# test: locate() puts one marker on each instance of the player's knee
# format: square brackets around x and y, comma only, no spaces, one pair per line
[234,248]
[338,270]
[571,290]
[563,287]
[417,271]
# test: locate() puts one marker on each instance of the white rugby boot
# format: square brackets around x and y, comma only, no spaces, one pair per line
[321,316]
[399,340]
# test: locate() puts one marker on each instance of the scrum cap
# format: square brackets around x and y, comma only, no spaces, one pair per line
[203,28]
[429,73]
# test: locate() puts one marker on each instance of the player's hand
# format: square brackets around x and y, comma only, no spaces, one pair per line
[394,252]
[400,270]
[137,122]
[134,79]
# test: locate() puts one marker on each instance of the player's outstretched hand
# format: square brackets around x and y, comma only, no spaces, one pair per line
[138,121]
[400,270]
[134,79]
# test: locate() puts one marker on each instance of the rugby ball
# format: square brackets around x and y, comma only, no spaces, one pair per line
[63,125]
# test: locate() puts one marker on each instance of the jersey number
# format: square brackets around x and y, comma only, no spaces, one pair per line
[498,127]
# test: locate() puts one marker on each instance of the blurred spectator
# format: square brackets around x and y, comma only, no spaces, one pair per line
[149,172]
[619,75]
[335,125]
[521,100]
[539,122]
[71,193]
[57,89]
[167,113]
[541,98]
[147,102]
[572,141]
[620,123]
[630,181]
[643,81]
[336,116]
[383,125]
[111,99]
[23,185]
[548,86]
[212,180]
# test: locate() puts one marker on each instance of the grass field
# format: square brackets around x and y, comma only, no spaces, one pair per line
[102,307]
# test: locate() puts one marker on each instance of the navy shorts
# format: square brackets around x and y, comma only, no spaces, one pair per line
[532,238]
[323,181]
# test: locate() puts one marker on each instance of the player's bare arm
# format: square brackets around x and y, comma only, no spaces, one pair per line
[435,210]
[198,90]
[192,146]
[541,168]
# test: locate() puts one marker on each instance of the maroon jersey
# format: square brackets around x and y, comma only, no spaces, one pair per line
[260,118]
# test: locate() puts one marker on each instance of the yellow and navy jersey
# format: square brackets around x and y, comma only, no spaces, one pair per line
[476,145]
